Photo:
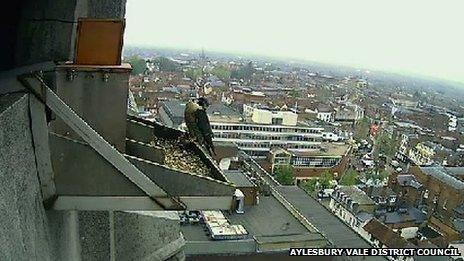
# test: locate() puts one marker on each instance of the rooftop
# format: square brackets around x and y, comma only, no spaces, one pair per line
[380,192]
[442,174]
[408,181]
[384,234]
[324,108]
[460,209]
[327,149]
[356,194]
[256,221]
[176,108]
[396,217]
[238,178]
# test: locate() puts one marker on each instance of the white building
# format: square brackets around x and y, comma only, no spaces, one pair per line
[263,115]
[258,139]
[324,114]
[352,205]
[349,112]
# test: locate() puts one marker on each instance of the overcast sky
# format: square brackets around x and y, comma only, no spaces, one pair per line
[413,36]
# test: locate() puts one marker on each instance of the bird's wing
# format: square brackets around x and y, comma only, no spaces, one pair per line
[203,123]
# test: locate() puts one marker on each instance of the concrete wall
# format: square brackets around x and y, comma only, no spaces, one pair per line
[29,232]
[47,28]
[220,247]
[103,235]
[147,235]
[23,223]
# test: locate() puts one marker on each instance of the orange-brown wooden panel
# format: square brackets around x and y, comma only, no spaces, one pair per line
[99,41]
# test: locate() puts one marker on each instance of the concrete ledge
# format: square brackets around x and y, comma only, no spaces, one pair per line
[220,247]
[135,203]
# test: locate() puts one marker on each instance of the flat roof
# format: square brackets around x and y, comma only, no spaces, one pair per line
[176,108]
[328,149]
[238,178]
[268,218]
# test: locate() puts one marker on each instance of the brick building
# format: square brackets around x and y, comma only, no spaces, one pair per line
[443,195]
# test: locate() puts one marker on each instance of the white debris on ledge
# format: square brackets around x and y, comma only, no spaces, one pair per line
[220,228]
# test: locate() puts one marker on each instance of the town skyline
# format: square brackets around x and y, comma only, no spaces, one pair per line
[367,37]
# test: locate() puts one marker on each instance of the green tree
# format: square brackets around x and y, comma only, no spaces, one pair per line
[221,72]
[284,174]
[294,93]
[166,65]
[310,185]
[384,144]
[244,72]
[349,178]
[138,64]
[383,174]
[194,73]
[362,129]
[325,180]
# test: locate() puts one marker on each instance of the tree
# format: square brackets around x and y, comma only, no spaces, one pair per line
[294,93]
[284,174]
[349,178]
[362,129]
[385,144]
[221,72]
[194,73]
[244,72]
[325,180]
[310,185]
[138,64]
[383,175]
[166,65]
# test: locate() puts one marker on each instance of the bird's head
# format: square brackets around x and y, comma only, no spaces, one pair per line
[203,102]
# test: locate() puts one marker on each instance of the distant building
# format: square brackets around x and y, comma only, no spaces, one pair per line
[374,130]
[171,113]
[407,187]
[257,140]
[383,237]
[422,154]
[352,205]
[404,102]
[324,113]
[264,115]
[442,199]
[349,113]
[329,157]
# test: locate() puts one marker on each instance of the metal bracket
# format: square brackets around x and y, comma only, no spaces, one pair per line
[105,76]
[71,75]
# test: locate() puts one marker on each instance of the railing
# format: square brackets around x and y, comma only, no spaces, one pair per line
[263,174]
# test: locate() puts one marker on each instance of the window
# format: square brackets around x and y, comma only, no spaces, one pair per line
[277,121]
